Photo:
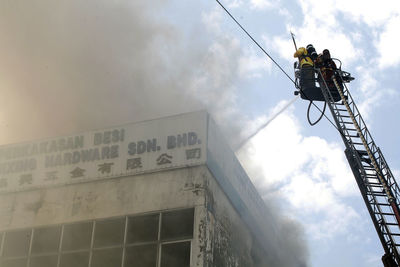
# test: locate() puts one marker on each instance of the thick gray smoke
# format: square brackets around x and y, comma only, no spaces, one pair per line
[69,65]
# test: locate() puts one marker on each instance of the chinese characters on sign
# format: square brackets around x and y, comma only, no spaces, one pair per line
[110,152]
[134,163]
[25,179]
[194,153]
[164,159]
[51,176]
[105,167]
[77,172]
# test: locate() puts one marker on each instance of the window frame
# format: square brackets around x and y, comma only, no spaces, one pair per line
[124,245]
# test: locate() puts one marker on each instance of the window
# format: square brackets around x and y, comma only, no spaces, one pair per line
[46,240]
[109,233]
[175,254]
[14,262]
[77,236]
[40,261]
[150,240]
[142,228]
[141,256]
[74,259]
[16,244]
[107,257]
[177,224]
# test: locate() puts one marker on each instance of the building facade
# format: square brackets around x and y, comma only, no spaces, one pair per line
[166,192]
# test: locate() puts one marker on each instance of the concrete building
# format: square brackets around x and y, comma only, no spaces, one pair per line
[165,192]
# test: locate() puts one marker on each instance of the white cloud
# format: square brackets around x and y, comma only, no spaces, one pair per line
[234,3]
[372,93]
[368,11]
[252,65]
[309,172]
[322,26]
[212,20]
[388,43]
[260,4]
[325,35]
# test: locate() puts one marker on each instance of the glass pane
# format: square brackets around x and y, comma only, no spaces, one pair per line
[141,256]
[109,233]
[177,224]
[44,261]
[142,228]
[46,240]
[17,243]
[175,255]
[77,236]
[107,258]
[77,259]
[14,263]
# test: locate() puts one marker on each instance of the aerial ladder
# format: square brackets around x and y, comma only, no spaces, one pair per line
[374,178]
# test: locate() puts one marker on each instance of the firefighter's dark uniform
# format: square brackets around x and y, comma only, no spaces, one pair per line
[328,67]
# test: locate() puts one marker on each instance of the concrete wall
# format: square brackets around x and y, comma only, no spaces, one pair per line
[220,235]
[106,198]
[240,191]
[229,241]
[229,213]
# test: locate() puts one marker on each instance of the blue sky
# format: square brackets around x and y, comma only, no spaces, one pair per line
[73,66]
[305,165]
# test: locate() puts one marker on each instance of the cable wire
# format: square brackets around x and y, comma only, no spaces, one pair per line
[308,114]
[265,52]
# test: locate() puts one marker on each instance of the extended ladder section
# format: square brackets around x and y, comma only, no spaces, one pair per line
[374,178]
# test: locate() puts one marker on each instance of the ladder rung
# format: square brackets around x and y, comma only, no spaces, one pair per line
[384,213]
[362,152]
[343,116]
[356,143]
[392,224]
[373,183]
[376,186]
[377,194]
[366,161]
[381,204]
[353,136]
[395,234]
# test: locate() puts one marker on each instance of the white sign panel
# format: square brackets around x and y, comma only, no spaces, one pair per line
[131,149]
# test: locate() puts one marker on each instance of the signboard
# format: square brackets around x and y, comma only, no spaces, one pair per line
[119,151]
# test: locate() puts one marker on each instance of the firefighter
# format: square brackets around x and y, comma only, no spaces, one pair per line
[311,51]
[328,69]
[307,77]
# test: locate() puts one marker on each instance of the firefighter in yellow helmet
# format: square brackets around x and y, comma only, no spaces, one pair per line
[307,77]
